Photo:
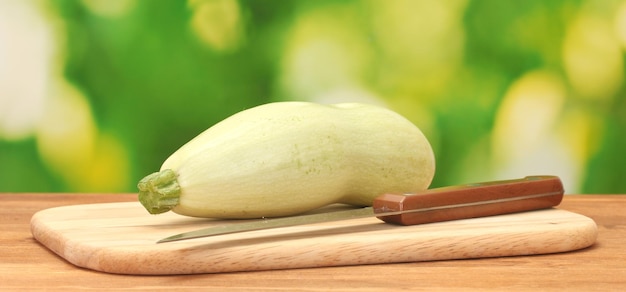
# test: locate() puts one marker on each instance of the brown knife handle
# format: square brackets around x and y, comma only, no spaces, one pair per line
[472,200]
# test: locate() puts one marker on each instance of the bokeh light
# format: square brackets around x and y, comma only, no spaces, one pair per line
[95,94]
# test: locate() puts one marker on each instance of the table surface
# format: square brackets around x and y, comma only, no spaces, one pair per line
[24,263]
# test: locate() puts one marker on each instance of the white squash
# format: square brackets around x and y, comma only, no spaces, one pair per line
[285,158]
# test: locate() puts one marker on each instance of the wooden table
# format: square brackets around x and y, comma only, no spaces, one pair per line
[25,264]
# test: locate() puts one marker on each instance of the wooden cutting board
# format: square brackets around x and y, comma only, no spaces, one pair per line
[120,238]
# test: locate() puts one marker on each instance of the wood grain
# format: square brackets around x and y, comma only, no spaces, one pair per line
[26,265]
[120,238]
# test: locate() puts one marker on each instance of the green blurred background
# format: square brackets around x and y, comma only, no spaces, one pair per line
[95,94]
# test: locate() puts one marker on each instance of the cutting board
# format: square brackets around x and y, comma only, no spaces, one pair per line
[121,238]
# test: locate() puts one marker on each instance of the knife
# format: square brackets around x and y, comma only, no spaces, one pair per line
[433,205]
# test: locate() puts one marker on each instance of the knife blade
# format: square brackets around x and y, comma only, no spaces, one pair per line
[433,205]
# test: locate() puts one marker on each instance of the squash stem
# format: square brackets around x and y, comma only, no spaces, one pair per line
[159,192]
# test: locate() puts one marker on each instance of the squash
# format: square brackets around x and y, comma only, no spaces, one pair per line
[286,158]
